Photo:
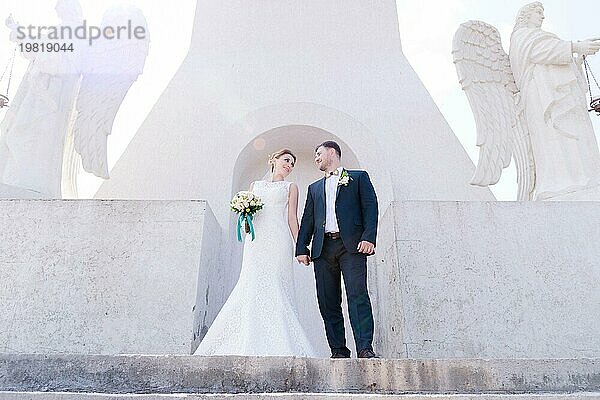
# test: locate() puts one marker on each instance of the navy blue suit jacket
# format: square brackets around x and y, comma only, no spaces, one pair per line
[356,210]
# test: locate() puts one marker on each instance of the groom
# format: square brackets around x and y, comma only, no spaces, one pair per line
[340,216]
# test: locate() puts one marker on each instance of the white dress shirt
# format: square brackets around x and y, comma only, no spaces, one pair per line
[331,185]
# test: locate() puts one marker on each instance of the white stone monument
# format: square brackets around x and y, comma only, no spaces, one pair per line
[530,104]
[262,76]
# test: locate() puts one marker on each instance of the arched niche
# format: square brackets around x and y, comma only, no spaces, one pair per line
[252,161]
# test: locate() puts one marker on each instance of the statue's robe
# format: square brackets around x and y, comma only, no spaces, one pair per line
[553,102]
[33,131]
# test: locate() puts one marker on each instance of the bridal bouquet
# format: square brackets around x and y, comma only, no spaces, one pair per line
[246,204]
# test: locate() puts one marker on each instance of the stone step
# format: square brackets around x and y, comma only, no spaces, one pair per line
[288,396]
[146,374]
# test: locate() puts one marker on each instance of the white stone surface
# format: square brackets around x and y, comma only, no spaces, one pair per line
[14,192]
[106,277]
[291,396]
[280,376]
[489,280]
[263,76]
[450,279]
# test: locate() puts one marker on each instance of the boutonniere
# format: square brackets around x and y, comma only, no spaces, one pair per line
[344,178]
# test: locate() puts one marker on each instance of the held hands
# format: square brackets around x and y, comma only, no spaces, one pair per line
[587,47]
[365,247]
[304,260]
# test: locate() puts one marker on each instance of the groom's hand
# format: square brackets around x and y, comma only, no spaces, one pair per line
[304,260]
[366,247]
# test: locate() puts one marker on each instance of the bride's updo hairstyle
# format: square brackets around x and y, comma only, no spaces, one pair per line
[278,154]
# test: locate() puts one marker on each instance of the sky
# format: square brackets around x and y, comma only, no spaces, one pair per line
[426,28]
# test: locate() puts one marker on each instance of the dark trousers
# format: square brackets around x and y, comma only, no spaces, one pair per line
[333,262]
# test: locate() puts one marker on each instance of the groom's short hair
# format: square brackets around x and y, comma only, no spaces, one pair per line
[330,144]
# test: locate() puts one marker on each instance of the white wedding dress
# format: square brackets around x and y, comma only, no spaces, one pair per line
[259,318]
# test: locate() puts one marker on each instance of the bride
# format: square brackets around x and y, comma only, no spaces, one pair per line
[259,318]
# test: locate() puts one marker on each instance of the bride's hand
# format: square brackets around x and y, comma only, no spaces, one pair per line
[365,247]
[304,260]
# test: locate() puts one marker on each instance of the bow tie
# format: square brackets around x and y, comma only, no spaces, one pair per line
[328,174]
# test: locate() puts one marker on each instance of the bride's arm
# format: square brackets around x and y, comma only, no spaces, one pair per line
[293,211]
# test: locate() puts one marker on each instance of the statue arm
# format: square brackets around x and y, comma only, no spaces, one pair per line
[586,48]
[551,51]
[13,26]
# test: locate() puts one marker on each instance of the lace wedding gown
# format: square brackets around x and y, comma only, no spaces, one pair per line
[259,317]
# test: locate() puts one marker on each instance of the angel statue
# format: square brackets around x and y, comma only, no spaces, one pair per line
[530,105]
[66,104]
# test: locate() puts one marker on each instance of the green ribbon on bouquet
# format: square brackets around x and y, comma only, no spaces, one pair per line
[248,219]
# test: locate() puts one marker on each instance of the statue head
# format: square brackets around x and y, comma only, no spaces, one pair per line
[69,11]
[530,16]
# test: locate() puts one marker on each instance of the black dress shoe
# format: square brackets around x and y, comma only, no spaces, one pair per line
[367,353]
[337,354]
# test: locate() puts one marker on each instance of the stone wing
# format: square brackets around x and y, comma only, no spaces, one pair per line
[110,69]
[485,74]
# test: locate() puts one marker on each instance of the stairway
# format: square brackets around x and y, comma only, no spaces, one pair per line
[287,396]
[66,377]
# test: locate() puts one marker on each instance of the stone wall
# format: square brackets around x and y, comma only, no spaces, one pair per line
[449,280]
[106,277]
[489,280]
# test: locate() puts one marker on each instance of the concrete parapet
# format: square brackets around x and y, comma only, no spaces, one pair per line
[107,277]
[488,280]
